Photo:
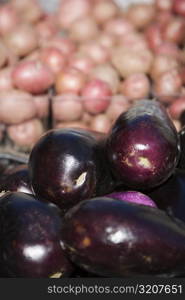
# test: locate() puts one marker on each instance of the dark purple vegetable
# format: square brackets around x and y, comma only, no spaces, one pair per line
[181,163]
[67,166]
[16,180]
[113,238]
[170,196]
[30,239]
[143,146]
[133,197]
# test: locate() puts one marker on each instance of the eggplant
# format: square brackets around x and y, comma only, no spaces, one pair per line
[16,180]
[143,147]
[133,197]
[69,165]
[30,240]
[181,163]
[113,238]
[170,196]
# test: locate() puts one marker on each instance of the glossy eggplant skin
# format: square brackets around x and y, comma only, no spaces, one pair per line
[170,196]
[113,238]
[143,146]
[67,166]
[30,238]
[181,163]
[16,180]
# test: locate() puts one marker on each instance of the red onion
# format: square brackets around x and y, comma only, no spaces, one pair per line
[141,15]
[30,10]
[64,44]
[179,7]
[82,63]
[169,83]
[70,81]
[118,26]
[133,41]
[106,73]
[96,52]
[22,40]
[100,123]
[53,58]
[67,108]
[136,86]
[161,64]
[76,124]
[32,76]
[154,36]
[8,18]
[169,49]
[83,29]
[130,62]
[16,107]
[164,4]
[96,96]
[104,10]
[118,105]
[173,31]
[42,105]
[177,107]
[71,10]
[26,134]
[106,40]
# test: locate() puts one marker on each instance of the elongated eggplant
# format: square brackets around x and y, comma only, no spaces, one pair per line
[112,238]
[170,196]
[67,166]
[143,146]
[30,245]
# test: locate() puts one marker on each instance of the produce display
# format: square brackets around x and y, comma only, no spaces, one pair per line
[92,139]
[85,62]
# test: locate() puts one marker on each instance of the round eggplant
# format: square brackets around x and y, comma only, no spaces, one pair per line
[143,146]
[114,238]
[30,244]
[67,166]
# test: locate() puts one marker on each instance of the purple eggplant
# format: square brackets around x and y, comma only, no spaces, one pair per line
[114,238]
[30,239]
[143,146]
[133,197]
[170,196]
[181,163]
[69,165]
[16,180]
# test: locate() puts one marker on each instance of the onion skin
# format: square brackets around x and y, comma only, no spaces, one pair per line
[119,104]
[104,10]
[161,64]
[82,63]
[143,146]
[32,76]
[84,29]
[42,105]
[118,26]
[16,107]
